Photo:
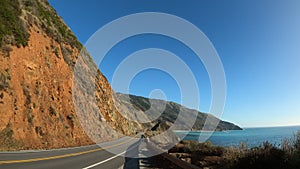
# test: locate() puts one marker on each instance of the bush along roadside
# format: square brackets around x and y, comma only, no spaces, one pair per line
[265,156]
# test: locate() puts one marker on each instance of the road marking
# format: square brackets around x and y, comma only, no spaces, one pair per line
[65,155]
[45,150]
[101,162]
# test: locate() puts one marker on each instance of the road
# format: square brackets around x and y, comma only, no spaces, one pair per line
[108,155]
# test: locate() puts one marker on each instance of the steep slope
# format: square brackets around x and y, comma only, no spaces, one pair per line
[38,54]
[170,112]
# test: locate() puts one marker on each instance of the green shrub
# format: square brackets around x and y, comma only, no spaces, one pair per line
[204,149]
[66,52]
[14,30]
[55,50]
[26,92]
[6,49]
[11,24]
[52,111]
[297,141]
[54,24]
[270,156]
[7,141]
[71,119]
[29,117]
[264,156]
[4,81]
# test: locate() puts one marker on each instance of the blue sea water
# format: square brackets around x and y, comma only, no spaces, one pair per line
[251,136]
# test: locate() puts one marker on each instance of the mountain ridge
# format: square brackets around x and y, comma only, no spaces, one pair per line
[172,109]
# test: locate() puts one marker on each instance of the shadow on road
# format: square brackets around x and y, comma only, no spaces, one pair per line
[131,152]
[142,158]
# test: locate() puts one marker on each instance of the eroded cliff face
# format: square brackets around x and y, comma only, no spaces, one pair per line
[37,103]
[36,77]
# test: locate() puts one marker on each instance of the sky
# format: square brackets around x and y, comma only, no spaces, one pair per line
[258,42]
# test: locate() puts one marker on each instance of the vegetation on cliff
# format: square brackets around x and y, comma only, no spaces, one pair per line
[12,28]
[16,18]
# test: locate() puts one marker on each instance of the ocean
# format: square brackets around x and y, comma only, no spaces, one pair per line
[251,136]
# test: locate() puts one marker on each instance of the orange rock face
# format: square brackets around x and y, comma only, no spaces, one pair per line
[37,105]
[36,102]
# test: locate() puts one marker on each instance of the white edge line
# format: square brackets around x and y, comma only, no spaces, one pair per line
[101,162]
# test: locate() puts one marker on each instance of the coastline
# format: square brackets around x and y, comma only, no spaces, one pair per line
[250,136]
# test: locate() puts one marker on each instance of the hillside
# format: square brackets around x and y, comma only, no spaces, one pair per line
[170,113]
[37,57]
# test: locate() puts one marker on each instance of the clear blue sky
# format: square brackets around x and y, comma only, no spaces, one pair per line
[258,42]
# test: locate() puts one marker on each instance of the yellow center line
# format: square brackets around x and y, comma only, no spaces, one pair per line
[63,156]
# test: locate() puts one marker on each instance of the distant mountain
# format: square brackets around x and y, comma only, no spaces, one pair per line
[170,112]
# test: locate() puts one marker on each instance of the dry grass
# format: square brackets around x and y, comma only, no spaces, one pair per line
[7,141]
[264,156]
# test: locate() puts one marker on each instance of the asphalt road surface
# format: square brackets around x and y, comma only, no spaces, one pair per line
[107,156]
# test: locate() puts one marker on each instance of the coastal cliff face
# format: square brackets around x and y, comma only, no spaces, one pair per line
[39,100]
[38,54]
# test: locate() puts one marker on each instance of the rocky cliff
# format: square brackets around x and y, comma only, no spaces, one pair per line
[38,54]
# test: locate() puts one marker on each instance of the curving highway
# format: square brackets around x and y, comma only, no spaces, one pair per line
[86,157]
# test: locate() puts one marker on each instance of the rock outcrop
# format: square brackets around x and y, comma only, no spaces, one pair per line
[38,55]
